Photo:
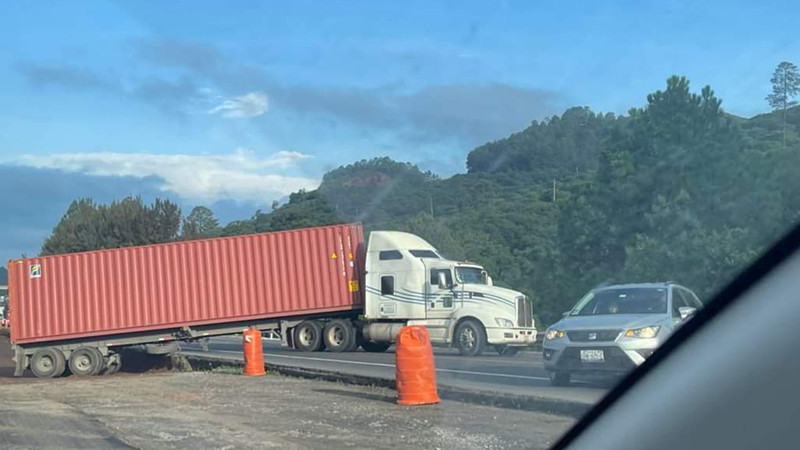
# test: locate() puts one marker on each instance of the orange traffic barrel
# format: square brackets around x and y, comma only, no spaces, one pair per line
[253,353]
[416,371]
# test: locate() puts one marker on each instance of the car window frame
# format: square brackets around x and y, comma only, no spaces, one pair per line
[676,291]
[692,297]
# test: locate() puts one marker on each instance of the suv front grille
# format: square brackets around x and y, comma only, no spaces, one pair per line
[597,335]
[614,360]
[524,312]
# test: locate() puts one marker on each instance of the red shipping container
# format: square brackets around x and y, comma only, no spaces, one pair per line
[172,285]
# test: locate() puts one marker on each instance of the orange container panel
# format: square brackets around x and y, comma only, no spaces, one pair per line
[286,273]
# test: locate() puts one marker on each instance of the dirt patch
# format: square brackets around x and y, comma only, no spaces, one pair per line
[152,407]
[212,410]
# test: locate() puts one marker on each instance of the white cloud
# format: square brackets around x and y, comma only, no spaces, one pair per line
[253,104]
[241,176]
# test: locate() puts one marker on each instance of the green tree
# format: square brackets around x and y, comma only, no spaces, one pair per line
[556,148]
[200,223]
[376,190]
[89,226]
[304,209]
[239,227]
[785,87]
[76,231]
[679,247]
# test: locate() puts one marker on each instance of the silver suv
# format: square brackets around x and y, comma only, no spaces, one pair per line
[614,328]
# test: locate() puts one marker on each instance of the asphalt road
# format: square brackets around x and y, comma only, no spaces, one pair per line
[523,374]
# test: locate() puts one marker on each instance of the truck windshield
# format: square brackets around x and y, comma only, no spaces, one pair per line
[623,301]
[469,275]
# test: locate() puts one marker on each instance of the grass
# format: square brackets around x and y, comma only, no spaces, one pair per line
[227,369]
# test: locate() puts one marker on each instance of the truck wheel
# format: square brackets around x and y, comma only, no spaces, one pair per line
[470,339]
[308,336]
[505,350]
[85,361]
[340,336]
[353,343]
[559,378]
[48,363]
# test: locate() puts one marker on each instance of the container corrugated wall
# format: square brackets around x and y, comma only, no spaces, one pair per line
[186,283]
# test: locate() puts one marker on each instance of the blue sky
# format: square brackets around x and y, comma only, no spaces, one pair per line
[233,105]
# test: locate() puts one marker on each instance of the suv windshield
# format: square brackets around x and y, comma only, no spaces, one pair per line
[469,275]
[623,301]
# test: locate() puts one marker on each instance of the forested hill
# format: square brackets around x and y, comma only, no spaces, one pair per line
[558,147]
[3,276]
[677,190]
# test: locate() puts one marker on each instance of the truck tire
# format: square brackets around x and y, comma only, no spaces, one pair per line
[353,342]
[470,338]
[340,336]
[505,350]
[85,361]
[308,336]
[559,378]
[48,363]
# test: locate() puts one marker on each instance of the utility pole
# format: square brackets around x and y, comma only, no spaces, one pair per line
[554,190]
[430,200]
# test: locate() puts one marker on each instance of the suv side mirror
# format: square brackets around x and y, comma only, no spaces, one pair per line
[442,281]
[686,312]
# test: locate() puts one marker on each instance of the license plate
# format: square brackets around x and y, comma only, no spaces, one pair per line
[592,356]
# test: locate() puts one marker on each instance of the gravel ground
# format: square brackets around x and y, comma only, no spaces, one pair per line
[225,411]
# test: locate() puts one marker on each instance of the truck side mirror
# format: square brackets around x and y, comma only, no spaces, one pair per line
[485,278]
[442,281]
[489,280]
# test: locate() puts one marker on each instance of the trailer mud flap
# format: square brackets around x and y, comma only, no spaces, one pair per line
[20,361]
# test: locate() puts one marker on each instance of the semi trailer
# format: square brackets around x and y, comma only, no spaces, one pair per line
[317,288]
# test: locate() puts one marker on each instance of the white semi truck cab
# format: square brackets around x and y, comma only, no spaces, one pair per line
[408,282]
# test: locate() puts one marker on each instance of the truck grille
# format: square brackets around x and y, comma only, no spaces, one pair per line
[524,312]
[593,335]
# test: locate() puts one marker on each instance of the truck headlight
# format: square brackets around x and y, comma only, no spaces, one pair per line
[505,323]
[552,334]
[644,332]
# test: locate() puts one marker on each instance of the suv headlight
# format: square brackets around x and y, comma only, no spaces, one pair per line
[644,332]
[552,335]
[505,323]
